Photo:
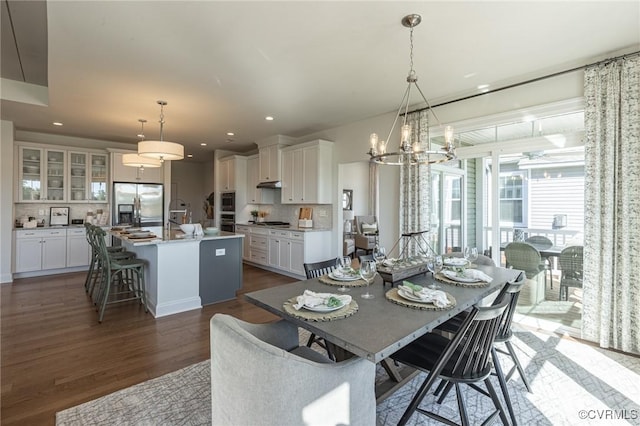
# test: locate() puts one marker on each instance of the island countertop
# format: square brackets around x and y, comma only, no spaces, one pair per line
[172,237]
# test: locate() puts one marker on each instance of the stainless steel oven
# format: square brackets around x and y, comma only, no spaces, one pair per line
[228,222]
[228,201]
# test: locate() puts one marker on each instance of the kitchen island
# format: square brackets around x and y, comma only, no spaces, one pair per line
[184,273]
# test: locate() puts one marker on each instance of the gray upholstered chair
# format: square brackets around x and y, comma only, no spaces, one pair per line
[366,233]
[261,376]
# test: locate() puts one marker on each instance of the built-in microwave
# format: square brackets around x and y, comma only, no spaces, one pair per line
[228,201]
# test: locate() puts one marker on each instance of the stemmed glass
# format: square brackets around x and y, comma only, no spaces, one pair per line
[368,273]
[379,253]
[471,254]
[344,264]
[435,264]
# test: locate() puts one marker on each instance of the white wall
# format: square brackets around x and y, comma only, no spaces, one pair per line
[192,186]
[6,199]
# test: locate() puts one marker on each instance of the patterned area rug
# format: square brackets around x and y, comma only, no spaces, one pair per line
[572,384]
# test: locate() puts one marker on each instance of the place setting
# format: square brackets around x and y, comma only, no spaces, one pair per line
[418,297]
[313,306]
[343,276]
[459,271]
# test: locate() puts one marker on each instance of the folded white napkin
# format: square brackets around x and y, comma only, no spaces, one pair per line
[455,261]
[471,274]
[437,297]
[341,273]
[310,298]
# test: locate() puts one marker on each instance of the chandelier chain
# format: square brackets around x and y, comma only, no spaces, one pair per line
[411,71]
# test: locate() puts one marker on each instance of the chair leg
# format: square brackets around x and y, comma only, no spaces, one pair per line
[417,399]
[516,361]
[445,392]
[503,385]
[464,417]
[496,402]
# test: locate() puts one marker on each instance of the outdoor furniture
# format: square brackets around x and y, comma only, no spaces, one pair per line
[463,359]
[541,242]
[260,376]
[525,257]
[366,232]
[571,267]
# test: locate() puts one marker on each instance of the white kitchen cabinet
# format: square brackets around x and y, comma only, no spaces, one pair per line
[307,173]
[259,246]
[40,249]
[269,163]
[227,174]
[122,173]
[246,231]
[41,174]
[280,249]
[256,195]
[78,249]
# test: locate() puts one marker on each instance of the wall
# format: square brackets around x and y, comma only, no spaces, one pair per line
[6,199]
[193,185]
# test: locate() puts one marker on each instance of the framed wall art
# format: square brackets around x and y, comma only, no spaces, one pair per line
[59,216]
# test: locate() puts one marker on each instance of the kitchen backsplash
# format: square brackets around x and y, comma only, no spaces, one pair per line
[290,213]
[76,211]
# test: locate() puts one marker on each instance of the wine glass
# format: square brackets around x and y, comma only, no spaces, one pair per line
[368,273]
[435,264]
[379,253]
[344,264]
[471,254]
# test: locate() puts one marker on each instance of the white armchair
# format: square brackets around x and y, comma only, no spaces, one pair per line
[366,233]
[259,375]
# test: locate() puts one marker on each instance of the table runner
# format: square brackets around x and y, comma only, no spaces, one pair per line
[304,314]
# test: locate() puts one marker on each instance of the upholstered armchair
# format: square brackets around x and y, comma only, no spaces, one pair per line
[261,376]
[366,232]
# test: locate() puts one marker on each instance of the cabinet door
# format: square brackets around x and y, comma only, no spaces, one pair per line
[252,180]
[28,254]
[30,174]
[284,261]
[122,173]
[77,250]
[297,257]
[78,176]
[226,175]
[55,183]
[310,174]
[98,177]
[299,174]
[287,178]
[274,252]
[269,164]
[54,252]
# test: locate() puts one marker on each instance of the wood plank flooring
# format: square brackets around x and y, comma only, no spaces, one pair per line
[55,354]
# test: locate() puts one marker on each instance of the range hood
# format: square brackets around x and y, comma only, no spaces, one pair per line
[275,184]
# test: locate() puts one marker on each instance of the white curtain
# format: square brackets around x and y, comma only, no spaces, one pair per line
[611,314]
[415,189]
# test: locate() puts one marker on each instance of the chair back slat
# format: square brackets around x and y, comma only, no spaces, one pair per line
[318,269]
[511,294]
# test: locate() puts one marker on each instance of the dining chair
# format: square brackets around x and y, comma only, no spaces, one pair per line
[316,270]
[364,257]
[524,256]
[463,359]
[260,376]
[542,242]
[571,267]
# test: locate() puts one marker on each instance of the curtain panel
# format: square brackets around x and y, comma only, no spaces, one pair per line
[611,297]
[415,189]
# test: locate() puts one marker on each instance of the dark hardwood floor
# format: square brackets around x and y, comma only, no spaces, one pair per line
[56,355]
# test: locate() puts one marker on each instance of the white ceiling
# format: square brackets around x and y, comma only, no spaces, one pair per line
[224,66]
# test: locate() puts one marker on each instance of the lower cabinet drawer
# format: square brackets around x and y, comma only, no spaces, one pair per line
[258,242]
[259,256]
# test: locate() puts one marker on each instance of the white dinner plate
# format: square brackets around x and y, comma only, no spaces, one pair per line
[452,275]
[323,308]
[410,297]
[455,261]
[343,277]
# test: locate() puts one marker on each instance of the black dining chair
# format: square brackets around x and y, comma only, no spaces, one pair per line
[316,270]
[463,359]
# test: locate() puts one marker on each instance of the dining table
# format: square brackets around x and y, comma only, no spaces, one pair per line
[379,327]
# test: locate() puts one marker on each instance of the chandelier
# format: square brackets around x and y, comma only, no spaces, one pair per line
[135,160]
[161,150]
[412,149]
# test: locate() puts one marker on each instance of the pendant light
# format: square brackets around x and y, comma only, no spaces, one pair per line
[135,160]
[161,150]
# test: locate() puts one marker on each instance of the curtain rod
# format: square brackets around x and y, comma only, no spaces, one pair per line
[533,80]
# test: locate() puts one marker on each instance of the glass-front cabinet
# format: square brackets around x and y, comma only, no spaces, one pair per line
[78,176]
[30,174]
[98,178]
[88,176]
[55,167]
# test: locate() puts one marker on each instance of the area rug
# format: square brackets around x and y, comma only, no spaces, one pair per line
[572,384]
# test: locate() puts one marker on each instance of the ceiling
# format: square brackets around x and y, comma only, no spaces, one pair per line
[223,66]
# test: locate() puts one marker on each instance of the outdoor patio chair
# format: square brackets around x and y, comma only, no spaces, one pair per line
[571,264]
[541,242]
[260,376]
[464,359]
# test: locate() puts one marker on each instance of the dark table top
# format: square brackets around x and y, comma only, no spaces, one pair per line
[380,327]
[545,251]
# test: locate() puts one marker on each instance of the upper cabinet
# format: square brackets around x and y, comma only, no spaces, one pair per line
[256,195]
[269,163]
[48,174]
[227,174]
[307,173]
[122,173]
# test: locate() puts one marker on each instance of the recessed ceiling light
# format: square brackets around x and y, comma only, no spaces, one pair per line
[230,134]
[203,144]
[190,155]
[268,118]
[482,86]
[57,123]
[471,74]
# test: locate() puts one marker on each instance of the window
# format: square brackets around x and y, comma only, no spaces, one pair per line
[513,199]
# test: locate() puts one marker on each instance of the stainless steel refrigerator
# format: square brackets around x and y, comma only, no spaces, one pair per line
[147,200]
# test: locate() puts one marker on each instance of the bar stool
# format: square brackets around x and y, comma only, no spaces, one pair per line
[119,277]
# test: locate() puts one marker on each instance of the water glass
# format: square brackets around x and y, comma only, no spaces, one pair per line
[379,253]
[471,253]
[435,264]
[344,264]
[368,273]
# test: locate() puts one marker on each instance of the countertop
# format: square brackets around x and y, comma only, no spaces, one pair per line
[289,228]
[175,236]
